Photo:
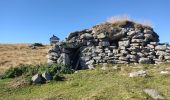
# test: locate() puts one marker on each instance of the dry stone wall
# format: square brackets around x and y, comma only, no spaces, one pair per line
[121,43]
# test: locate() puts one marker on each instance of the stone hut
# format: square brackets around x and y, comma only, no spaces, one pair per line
[121,42]
[54,39]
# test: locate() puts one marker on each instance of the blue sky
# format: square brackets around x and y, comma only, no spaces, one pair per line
[28,21]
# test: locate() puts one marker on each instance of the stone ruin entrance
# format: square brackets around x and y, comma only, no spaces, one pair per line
[74,55]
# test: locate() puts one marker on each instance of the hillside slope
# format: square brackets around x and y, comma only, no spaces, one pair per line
[16,54]
[113,83]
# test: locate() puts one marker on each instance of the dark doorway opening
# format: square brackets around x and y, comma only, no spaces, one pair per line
[75,58]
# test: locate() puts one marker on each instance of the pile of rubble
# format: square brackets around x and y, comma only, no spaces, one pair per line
[115,43]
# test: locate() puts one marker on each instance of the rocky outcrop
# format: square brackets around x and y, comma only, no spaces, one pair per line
[115,43]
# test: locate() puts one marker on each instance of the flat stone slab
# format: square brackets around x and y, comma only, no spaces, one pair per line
[165,72]
[140,73]
[154,94]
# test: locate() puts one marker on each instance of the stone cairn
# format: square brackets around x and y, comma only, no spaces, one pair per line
[114,43]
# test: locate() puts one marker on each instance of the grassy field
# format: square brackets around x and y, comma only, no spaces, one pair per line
[109,84]
[16,54]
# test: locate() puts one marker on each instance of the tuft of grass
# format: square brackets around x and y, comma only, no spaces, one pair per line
[123,19]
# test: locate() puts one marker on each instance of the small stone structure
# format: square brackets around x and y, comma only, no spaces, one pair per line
[54,39]
[114,43]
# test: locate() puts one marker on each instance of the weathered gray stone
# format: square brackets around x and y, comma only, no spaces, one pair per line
[112,47]
[138,36]
[115,51]
[168,47]
[110,54]
[122,48]
[131,56]
[101,36]
[124,52]
[86,36]
[105,43]
[121,62]
[149,36]
[154,43]
[97,58]
[162,53]
[131,33]
[91,67]
[160,47]
[147,31]
[151,46]
[134,44]
[154,94]
[137,40]
[168,51]
[102,54]
[98,50]
[124,43]
[140,73]
[47,76]
[90,62]
[144,61]
[104,67]
[49,61]
[165,72]
[37,79]
[167,57]
[86,58]
[123,58]
[118,35]
[54,54]
[64,59]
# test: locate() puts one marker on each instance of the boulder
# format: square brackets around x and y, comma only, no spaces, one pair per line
[37,79]
[90,62]
[91,67]
[47,76]
[154,94]
[140,73]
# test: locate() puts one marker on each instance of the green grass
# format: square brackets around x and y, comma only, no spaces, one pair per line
[96,84]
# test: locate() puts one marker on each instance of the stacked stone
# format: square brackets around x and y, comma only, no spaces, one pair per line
[54,54]
[107,44]
[162,53]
